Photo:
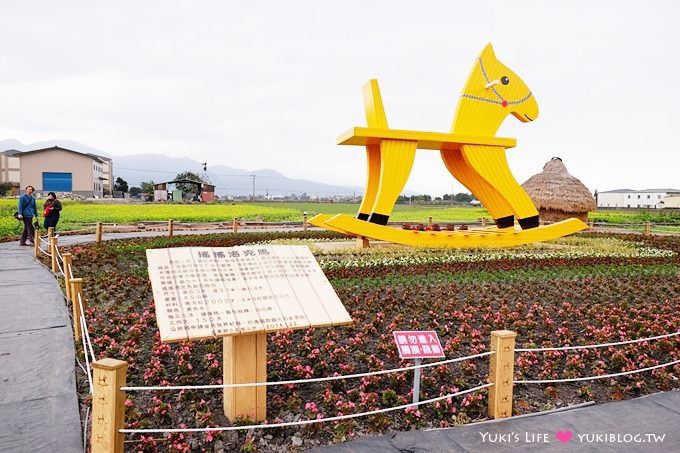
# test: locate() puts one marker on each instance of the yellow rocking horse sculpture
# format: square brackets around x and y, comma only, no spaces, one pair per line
[472,154]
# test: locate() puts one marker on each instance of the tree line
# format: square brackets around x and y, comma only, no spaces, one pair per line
[145,189]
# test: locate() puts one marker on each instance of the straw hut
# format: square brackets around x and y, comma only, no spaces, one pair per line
[558,195]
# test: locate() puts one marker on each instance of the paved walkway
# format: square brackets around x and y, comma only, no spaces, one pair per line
[646,424]
[39,407]
[38,402]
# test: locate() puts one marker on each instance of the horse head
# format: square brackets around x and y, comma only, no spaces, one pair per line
[492,92]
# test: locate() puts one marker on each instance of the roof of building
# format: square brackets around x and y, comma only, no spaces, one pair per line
[200,184]
[11,152]
[102,158]
[59,148]
[617,191]
[642,191]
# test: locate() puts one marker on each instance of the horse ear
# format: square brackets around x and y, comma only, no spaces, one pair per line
[488,52]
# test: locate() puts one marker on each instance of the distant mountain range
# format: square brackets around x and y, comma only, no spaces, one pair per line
[138,168]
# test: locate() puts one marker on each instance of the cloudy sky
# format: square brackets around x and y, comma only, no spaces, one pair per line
[271,84]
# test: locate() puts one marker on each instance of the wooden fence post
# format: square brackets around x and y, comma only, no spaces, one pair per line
[54,253]
[68,260]
[170,228]
[108,405]
[501,370]
[50,233]
[483,221]
[234,225]
[362,242]
[36,243]
[98,233]
[429,221]
[76,298]
[648,228]
[304,222]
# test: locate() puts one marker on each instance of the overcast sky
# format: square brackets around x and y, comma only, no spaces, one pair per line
[271,84]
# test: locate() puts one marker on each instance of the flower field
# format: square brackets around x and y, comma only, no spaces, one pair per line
[583,290]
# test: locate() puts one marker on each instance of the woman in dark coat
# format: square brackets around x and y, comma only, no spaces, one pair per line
[51,210]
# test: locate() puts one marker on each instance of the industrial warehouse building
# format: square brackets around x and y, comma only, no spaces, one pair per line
[57,169]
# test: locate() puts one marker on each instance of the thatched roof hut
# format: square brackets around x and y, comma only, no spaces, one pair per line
[557,194]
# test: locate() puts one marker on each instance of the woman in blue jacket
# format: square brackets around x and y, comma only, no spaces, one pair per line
[27,210]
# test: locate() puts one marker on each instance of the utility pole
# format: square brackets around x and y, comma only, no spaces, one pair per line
[253,176]
[205,172]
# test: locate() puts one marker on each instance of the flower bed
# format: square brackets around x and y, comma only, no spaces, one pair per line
[594,289]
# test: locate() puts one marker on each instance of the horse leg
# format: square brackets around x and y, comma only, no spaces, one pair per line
[372,180]
[492,200]
[396,161]
[491,164]
[375,117]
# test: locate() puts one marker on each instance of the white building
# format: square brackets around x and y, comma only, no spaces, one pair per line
[637,199]
[10,170]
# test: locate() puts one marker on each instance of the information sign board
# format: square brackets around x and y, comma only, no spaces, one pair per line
[207,292]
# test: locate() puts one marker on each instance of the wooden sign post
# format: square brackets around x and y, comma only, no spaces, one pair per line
[240,294]
[417,345]
[245,361]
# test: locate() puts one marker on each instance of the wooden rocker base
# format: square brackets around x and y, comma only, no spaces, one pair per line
[319,221]
[487,237]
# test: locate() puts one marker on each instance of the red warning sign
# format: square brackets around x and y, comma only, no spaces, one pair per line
[418,344]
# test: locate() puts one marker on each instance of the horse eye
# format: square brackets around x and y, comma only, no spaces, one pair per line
[505,80]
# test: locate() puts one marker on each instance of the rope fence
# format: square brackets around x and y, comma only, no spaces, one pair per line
[592,378]
[602,345]
[304,422]
[44,252]
[304,381]
[86,333]
[647,228]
